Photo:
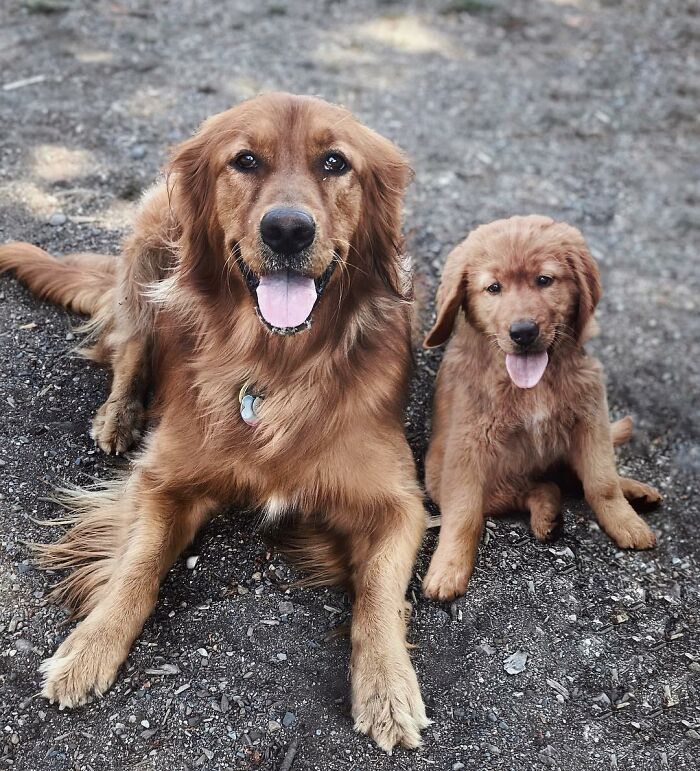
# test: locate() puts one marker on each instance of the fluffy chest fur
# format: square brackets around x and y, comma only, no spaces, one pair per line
[517,432]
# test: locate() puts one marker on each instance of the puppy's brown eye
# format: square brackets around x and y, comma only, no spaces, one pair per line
[494,288]
[544,280]
[244,161]
[335,163]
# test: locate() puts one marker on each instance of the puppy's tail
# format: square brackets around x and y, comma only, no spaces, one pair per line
[621,430]
[80,282]
[316,550]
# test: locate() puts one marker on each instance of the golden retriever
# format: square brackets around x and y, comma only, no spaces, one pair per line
[264,293]
[517,394]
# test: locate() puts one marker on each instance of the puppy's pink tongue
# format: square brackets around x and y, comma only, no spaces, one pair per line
[526,369]
[286,299]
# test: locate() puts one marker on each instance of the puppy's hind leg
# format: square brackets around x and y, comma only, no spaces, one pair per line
[639,492]
[544,505]
[122,547]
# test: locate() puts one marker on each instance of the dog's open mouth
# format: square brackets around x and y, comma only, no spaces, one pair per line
[526,369]
[286,299]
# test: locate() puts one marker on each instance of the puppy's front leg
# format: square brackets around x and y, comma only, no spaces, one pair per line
[461,506]
[386,700]
[593,459]
[137,534]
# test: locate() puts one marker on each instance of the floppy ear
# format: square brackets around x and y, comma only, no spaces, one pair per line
[194,188]
[384,178]
[587,278]
[451,294]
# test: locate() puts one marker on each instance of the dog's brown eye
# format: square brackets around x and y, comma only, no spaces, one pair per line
[245,161]
[544,280]
[335,163]
[494,288]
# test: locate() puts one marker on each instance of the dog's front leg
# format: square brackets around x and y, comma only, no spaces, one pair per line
[138,534]
[462,510]
[593,459]
[386,699]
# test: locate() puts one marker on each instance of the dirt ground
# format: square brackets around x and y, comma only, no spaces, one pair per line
[583,110]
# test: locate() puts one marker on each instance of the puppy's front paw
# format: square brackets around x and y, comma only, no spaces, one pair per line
[629,530]
[447,577]
[85,665]
[386,702]
[117,425]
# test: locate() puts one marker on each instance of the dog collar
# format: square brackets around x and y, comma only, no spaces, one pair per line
[250,401]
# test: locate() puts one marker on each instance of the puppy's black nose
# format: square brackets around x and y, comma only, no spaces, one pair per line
[524,333]
[286,230]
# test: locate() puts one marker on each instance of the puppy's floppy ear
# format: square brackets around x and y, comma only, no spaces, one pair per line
[451,294]
[587,277]
[194,186]
[384,176]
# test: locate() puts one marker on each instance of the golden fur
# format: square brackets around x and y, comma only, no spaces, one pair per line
[493,442]
[330,446]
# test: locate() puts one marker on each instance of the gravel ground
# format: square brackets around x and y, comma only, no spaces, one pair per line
[583,110]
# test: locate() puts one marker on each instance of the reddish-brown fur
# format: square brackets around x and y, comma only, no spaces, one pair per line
[330,444]
[491,441]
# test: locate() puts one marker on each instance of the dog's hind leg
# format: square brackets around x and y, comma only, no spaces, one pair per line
[118,422]
[122,544]
[149,254]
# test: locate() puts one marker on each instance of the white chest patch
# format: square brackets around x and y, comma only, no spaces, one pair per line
[537,429]
[275,507]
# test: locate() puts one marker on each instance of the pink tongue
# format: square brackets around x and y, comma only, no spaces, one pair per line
[286,299]
[526,369]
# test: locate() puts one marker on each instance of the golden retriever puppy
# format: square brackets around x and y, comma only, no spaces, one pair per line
[264,292]
[517,394]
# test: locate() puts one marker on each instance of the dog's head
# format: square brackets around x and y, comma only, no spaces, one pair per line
[528,284]
[280,195]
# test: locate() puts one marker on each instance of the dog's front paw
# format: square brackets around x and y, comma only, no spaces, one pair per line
[117,425]
[386,702]
[84,666]
[447,577]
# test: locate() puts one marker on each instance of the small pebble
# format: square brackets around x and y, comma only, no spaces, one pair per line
[59,218]
[192,562]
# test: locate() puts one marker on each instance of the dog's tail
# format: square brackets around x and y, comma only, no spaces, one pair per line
[80,282]
[621,430]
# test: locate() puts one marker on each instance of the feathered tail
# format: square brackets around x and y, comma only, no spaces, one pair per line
[81,282]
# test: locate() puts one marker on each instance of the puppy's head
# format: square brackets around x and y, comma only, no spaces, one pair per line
[528,284]
[278,192]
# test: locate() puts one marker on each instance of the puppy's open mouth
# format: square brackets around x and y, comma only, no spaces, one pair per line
[285,299]
[526,369]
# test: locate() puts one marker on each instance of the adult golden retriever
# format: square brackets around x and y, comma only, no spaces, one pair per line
[264,286]
[517,393]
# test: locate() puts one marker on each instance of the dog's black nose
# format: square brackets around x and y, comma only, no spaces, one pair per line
[524,333]
[286,230]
